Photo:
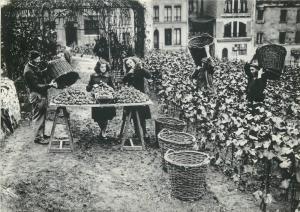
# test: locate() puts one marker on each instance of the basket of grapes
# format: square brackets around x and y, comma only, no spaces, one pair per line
[103,93]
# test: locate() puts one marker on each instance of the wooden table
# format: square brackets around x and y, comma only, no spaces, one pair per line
[66,145]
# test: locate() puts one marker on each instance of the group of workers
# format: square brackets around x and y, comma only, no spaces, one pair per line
[135,75]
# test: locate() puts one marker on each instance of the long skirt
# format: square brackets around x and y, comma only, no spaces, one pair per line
[144,111]
[102,114]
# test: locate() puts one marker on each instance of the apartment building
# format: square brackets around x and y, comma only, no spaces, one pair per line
[84,28]
[168,28]
[234,29]
[278,22]
[199,21]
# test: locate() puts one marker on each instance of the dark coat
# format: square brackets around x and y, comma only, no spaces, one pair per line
[255,87]
[204,74]
[106,113]
[137,80]
[36,80]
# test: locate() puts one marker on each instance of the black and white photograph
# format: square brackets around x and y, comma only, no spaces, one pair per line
[150,106]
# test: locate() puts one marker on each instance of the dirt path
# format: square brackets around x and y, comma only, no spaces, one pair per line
[98,176]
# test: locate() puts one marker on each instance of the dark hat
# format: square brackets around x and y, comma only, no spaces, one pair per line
[34,54]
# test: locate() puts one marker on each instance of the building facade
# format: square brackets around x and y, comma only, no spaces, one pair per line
[234,29]
[228,21]
[85,28]
[199,20]
[278,22]
[167,24]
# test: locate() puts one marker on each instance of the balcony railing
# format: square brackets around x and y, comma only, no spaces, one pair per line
[168,19]
[156,19]
[177,18]
[245,10]
[235,35]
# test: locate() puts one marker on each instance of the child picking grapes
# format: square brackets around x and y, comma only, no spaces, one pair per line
[101,115]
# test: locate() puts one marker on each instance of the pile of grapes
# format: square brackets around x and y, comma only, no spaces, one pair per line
[73,96]
[130,95]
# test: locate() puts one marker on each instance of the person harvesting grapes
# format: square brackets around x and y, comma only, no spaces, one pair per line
[257,81]
[101,115]
[135,76]
[204,72]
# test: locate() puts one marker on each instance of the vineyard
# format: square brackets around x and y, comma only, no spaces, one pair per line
[258,146]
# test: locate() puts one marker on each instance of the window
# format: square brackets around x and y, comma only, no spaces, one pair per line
[168,13]
[243,49]
[126,37]
[125,18]
[260,15]
[235,29]
[283,14]
[178,36]
[282,37]
[259,37]
[240,49]
[177,13]
[168,37]
[91,27]
[156,13]
[244,8]
[227,30]
[297,37]
[298,16]
[191,6]
[235,6]
[242,30]
[228,6]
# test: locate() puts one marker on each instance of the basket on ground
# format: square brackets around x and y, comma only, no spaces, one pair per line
[62,72]
[174,140]
[196,47]
[168,123]
[187,171]
[271,57]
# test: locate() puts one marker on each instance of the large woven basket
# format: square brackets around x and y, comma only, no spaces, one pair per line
[168,123]
[62,72]
[196,47]
[187,171]
[271,57]
[174,140]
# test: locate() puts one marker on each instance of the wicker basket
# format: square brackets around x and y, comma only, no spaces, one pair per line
[196,47]
[62,72]
[168,123]
[271,57]
[187,171]
[174,140]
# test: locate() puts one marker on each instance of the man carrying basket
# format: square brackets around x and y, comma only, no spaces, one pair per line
[199,49]
[38,87]
[266,64]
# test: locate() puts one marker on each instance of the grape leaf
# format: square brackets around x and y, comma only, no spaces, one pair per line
[286,151]
[285,164]
[285,183]
[277,139]
[258,195]
[268,199]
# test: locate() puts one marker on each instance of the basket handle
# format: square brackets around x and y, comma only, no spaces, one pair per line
[206,161]
[169,151]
